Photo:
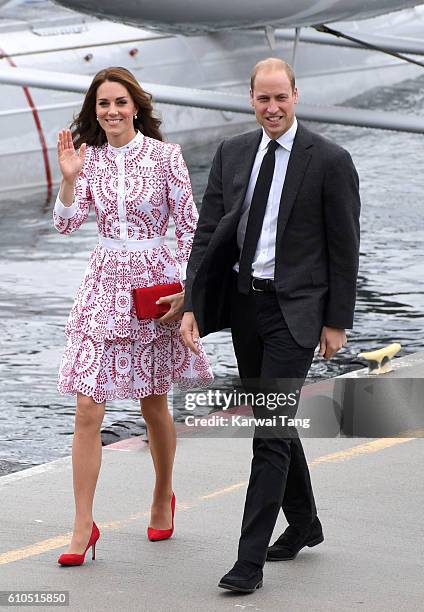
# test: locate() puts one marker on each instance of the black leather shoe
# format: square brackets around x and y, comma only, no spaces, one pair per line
[293,540]
[244,577]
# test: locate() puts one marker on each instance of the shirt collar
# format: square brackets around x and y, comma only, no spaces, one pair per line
[133,143]
[285,140]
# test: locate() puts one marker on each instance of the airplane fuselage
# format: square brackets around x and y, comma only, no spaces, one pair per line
[65,42]
[196,17]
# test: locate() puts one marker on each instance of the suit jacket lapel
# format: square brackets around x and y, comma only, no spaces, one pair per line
[299,159]
[243,168]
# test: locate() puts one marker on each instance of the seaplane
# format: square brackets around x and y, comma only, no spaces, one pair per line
[195,59]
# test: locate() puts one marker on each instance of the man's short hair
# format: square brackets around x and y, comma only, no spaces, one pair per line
[273,63]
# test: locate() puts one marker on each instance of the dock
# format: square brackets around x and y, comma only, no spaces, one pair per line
[369,495]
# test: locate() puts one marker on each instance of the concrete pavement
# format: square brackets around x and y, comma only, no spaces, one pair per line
[369,495]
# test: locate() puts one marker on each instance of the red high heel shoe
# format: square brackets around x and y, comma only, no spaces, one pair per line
[76,559]
[162,534]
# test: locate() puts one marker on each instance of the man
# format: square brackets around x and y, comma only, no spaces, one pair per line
[275,257]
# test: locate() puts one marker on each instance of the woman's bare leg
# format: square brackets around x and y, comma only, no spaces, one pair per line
[86,461]
[162,442]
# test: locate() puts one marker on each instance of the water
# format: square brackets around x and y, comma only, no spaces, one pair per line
[40,271]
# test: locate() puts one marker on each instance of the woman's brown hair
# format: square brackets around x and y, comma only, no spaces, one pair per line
[86,128]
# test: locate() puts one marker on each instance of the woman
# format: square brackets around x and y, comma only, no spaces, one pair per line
[133,181]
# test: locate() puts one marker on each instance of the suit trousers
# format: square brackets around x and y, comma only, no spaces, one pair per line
[279,478]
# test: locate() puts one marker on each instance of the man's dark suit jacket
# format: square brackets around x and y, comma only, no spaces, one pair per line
[317,243]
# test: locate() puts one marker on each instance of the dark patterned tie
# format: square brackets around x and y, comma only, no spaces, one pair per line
[256,217]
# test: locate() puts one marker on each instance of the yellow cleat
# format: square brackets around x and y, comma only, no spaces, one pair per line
[380,362]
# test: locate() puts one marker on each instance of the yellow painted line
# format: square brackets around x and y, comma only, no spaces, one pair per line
[60,541]
[344,455]
[35,549]
[361,449]
[234,487]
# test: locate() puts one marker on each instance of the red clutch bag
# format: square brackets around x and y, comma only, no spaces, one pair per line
[145,299]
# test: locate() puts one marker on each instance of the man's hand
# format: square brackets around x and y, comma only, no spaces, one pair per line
[190,332]
[332,339]
[175,313]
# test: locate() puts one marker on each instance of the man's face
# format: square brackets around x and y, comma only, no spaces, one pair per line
[274,101]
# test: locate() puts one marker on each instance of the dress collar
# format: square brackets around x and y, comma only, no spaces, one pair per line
[285,140]
[132,144]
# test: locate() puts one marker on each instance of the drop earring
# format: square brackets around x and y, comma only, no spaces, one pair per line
[135,116]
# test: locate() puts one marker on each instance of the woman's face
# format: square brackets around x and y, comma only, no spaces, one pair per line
[115,110]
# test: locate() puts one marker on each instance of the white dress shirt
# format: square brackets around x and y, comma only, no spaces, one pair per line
[264,260]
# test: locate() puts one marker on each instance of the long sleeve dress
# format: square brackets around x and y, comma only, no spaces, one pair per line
[110,353]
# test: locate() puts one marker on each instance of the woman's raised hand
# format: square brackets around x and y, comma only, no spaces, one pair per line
[70,161]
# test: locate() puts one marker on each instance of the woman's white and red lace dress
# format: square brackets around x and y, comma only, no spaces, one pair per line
[111,354]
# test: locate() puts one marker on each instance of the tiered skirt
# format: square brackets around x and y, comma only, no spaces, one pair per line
[110,354]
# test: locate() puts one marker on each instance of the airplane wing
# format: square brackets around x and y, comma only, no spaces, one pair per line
[217,100]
